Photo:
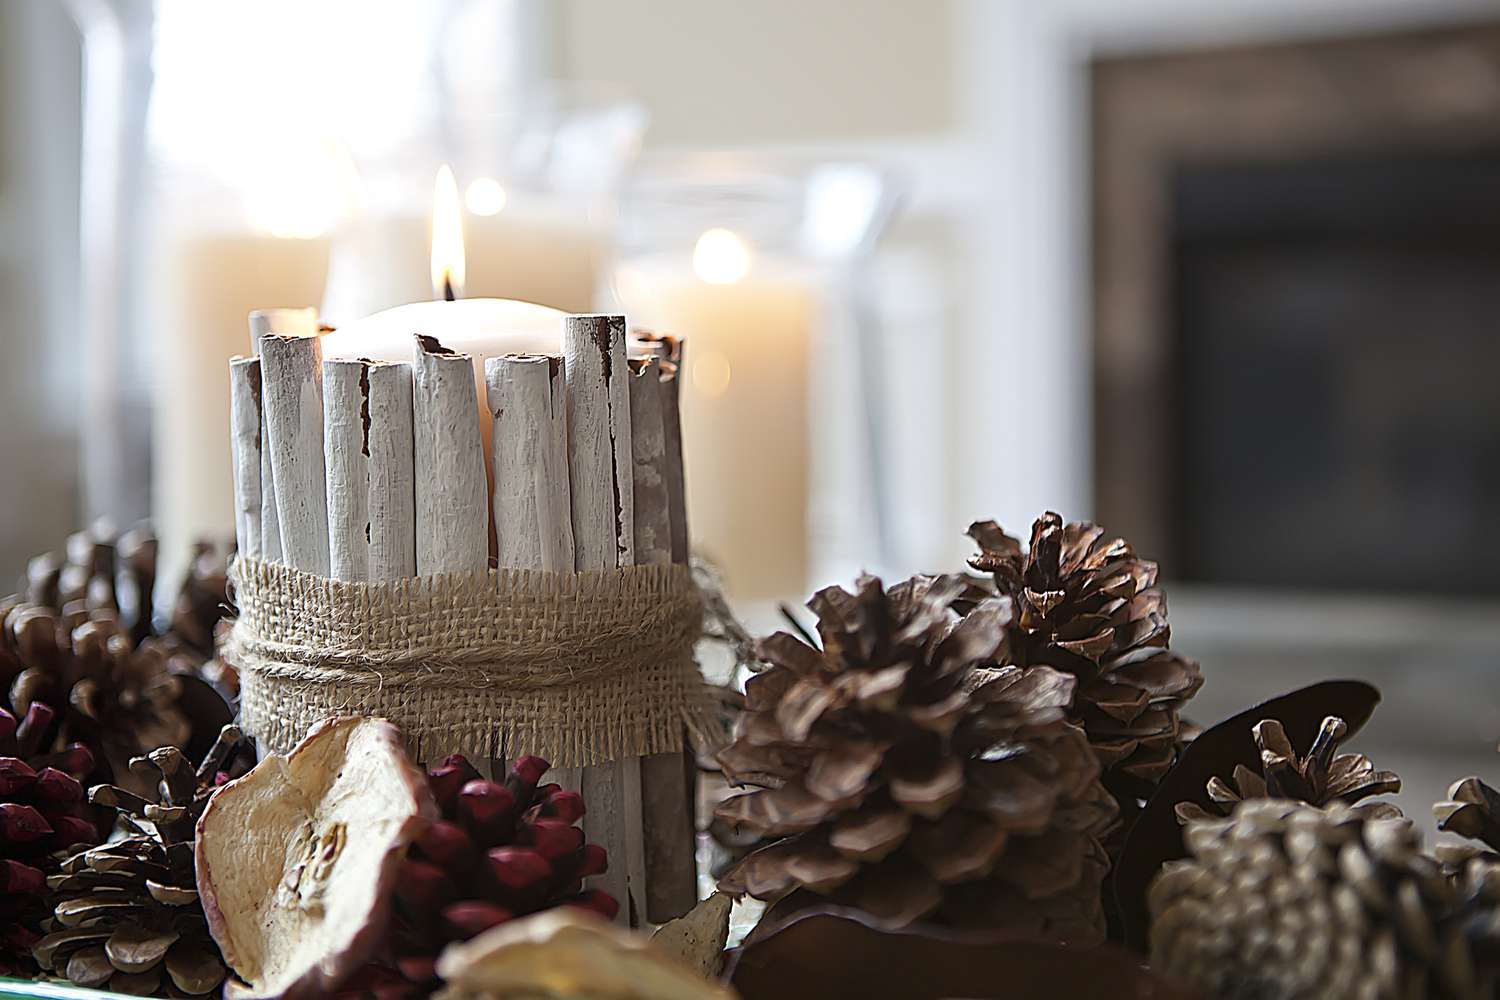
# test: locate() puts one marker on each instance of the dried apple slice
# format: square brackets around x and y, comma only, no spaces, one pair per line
[297,859]
[564,954]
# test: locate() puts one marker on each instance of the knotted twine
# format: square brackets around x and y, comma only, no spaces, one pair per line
[580,668]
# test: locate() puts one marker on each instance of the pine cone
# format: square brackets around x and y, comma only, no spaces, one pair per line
[202,601]
[500,851]
[1319,779]
[99,573]
[910,781]
[128,911]
[121,699]
[1291,901]
[1088,606]
[1472,810]
[42,813]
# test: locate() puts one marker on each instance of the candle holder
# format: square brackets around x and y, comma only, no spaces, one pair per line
[537,176]
[758,260]
[545,608]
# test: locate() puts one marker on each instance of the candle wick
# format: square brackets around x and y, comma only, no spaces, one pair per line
[448,295]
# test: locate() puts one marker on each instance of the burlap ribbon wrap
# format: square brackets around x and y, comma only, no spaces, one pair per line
[580,668]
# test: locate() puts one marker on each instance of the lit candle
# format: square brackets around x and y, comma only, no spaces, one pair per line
[520,246]
[746,318]
[480,328]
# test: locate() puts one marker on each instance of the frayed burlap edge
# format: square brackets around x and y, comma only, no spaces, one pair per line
[579,668]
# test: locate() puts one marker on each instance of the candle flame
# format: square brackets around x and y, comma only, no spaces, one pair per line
[447,237]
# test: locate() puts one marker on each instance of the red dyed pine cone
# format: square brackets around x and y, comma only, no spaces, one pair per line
[501,850]
[42,815]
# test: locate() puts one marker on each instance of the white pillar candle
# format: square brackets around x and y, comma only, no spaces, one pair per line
[479,328]
[747,321]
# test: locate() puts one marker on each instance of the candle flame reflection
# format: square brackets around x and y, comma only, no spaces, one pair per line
[447,237]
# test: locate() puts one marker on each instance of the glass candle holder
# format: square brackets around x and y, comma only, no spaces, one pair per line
[537,177]
[750,259]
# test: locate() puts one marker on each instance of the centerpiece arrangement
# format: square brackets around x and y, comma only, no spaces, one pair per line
[435,728]
[974,784]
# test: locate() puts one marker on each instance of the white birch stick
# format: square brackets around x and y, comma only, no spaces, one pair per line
[346,454]
[599,474]
[245,434]
[532,506]
[666,791]
[292,389]
[653,523]
[452,498]
[295,322]
[393,498]
[367,444]
[668,350]
[671,418]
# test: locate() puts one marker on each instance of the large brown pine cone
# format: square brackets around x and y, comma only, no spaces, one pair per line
[101,572]
[1321,777]
[128,916]
[907,779]
[1087,605]
[1291,901]
[118,698]
[42,813]
[202,601]
[501,850]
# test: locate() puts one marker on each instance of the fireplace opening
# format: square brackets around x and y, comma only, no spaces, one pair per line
[1335,389]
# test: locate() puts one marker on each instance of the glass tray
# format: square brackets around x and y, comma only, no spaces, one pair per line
[16,989]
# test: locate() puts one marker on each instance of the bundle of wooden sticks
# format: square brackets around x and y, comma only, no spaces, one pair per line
[372,471]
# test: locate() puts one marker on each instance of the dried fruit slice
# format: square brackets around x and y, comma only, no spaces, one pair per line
[699,935]
[565,954]
[297,860]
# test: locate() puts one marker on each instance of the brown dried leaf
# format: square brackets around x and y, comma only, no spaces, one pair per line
[823,951]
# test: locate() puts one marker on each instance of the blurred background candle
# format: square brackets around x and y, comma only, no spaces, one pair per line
[748,259]
[217,253]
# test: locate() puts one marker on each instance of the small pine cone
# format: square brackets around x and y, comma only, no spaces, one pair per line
[42,814]
[1088,606]
[1291,901]
[900,775]
[1472,810]
[127,916]
[501,850]
[1320,778]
